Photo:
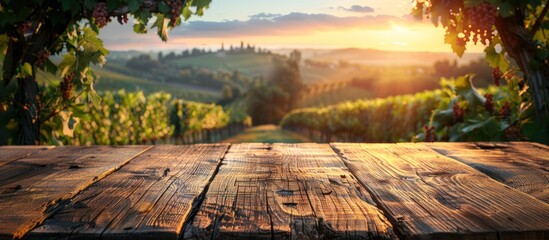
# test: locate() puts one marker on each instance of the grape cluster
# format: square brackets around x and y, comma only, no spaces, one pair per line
[452,6]
[42,56]
[489,103]
[458,113]
[122,19]
[512,133]
[429,133]
[505,110]
[496,75]
[101,15]
[24,27]
[481,18]
[175,11]
[66,86]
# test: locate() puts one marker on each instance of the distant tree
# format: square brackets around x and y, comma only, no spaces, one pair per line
[443,68]
[143,62]
[170,56]
[160,56]
[32,31]
[186,53]
[269,101]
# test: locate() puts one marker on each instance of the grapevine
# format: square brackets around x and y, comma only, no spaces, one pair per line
[496,75]
[101,15]
[24,27]
[505,110]
[458,112]
[66,86]
[429,132]
[489,103]
[175,11]
[481,18]
[42,56]
[122,19]
[512,133]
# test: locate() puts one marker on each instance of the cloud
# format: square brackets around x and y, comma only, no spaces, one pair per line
[292,25]
[295,23]
[358,9]
[264,16]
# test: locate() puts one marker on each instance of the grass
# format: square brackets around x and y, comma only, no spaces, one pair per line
[267,134]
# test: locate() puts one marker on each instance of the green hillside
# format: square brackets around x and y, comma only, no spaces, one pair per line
[250,64]
[110,80]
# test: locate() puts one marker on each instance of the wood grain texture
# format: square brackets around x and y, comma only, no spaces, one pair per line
[520,165]
[150,197]
[31,187]
[11,153]
[286,191]
[430,196]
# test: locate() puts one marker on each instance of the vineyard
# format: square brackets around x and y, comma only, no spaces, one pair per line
[456,112]
[379,120]
[133,118]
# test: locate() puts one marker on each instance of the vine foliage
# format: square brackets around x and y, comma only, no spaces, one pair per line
[32,31]
[514,32]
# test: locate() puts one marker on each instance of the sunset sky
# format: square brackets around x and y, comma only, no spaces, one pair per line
[274,24]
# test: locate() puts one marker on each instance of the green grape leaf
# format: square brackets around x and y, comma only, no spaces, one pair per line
[452,38]
[69,123]
[494,58]
[8,66]
[163,7]
[491,124]
[79,111]
[187,12]
[161,24]
[68,4]
[89,4]
[140,28]
[113,4]
[68,61]
[201,4]
[25,70]
[506,10]
[50,67]
[133,5]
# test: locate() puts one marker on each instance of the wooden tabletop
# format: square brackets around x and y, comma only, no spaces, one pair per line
[276,191]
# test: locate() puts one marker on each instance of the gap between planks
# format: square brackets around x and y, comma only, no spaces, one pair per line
[286,191]
[151,197]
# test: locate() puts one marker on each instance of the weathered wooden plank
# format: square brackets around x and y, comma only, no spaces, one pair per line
[520,165]
[430,196]
[12,153]
[298,191]
[30,187]
[150,197]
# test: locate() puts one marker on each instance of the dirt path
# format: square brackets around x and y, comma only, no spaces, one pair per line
[266,134]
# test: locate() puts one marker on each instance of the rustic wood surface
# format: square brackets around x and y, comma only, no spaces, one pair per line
[286,191]
[276,191]
[524,166]
[31,187]
[431,196]
[12,153]
[150,197]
